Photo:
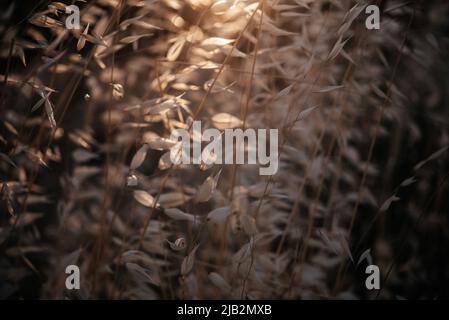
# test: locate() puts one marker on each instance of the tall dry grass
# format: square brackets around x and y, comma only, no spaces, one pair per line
[362,116]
